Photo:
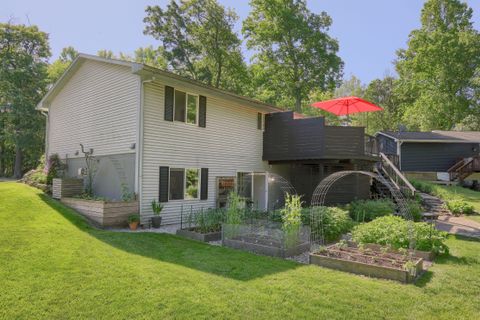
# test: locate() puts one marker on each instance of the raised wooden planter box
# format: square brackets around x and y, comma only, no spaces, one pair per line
[64,188]
[104,213]
[367,269]
[204,237]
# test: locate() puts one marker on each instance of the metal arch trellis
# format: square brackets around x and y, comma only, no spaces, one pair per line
[285,186]
[321,191]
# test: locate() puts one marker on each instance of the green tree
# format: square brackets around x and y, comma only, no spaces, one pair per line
[436,69]
[382,93]
[107,54]
[150,56]
[56,69]
[199,42]
[293,50]
[24,52]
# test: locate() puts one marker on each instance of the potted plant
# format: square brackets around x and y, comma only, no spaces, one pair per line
[133,221]
[157,210]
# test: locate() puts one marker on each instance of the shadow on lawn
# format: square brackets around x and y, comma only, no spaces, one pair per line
[220,261]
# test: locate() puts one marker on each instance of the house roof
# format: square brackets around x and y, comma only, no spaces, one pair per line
[434,136]
[149,72]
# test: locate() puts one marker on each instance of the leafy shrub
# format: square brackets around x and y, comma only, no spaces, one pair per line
[367,210]
[394,231]
[157,207]
[422,186]
[458,207]
[291,219]
[331,221]
[415,209]
[53,167]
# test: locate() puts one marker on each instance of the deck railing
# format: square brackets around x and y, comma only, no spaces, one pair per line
[464,168]
[371,145]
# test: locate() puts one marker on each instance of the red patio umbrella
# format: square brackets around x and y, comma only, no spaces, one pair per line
[346,105]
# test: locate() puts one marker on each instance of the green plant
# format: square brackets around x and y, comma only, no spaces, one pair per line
[367,210]
[53,167]
[330,222]
[291,219]
[157,207]
[235,206]
[410,267]
[394,231]
[209,220]
[126,194]
[133,218]
[422,186]
[458,207]
[415,209]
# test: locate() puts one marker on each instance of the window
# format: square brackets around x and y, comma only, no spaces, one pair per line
[244,184]
[180,100]
[186,107]
[176,184]
[184,184]
[191,184]
[192,103]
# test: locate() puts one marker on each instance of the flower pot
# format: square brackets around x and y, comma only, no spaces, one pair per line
[133,225]
[156,221]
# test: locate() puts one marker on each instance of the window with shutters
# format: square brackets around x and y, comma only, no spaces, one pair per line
[184,183]
[186,107]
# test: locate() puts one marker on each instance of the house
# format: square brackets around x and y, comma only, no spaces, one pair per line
[433,155]
[187,144]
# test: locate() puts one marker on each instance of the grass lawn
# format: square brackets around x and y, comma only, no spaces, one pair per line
[53,265]
[453,192]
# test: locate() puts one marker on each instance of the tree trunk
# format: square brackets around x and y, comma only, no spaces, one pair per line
[2,159]
[17,171]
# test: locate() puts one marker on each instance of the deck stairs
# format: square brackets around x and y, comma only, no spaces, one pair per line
[464,168]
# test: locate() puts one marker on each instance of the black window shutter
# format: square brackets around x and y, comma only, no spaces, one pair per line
[259,121]
[163,184]
[202,112]
[204,184]
[169,94]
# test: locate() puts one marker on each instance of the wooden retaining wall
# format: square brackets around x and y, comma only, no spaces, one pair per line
[104,213]
[62,188]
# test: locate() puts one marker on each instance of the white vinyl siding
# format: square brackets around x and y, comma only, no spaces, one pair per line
[98,108]
[230,143]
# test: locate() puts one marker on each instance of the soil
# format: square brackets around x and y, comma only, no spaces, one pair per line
[367,256]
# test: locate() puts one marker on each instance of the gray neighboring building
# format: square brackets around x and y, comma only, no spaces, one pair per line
[432,152]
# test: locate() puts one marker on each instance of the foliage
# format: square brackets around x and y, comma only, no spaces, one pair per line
[422,186]
[53,168]
[235,208]
[56,69]
[36,176]
[331,222]
[415,209]
[85,196]
[367,210]
[458,207]
[437,70]
[133,218]
[291,219]
[394,231]
[157,207]
[43,239]
[294,53]
[90,163]
[199,42]
[24,53]
[127,195]
[209,220]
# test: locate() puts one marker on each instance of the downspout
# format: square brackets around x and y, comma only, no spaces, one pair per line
[139,145]
[47,127]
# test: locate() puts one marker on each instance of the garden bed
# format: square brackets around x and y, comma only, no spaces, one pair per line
[266,239]
[197,234]
[103,213]
[369,262]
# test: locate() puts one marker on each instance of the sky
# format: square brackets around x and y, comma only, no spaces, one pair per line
[369,31]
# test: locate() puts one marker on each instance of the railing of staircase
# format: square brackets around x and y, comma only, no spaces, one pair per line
[391,170]
[464,168]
